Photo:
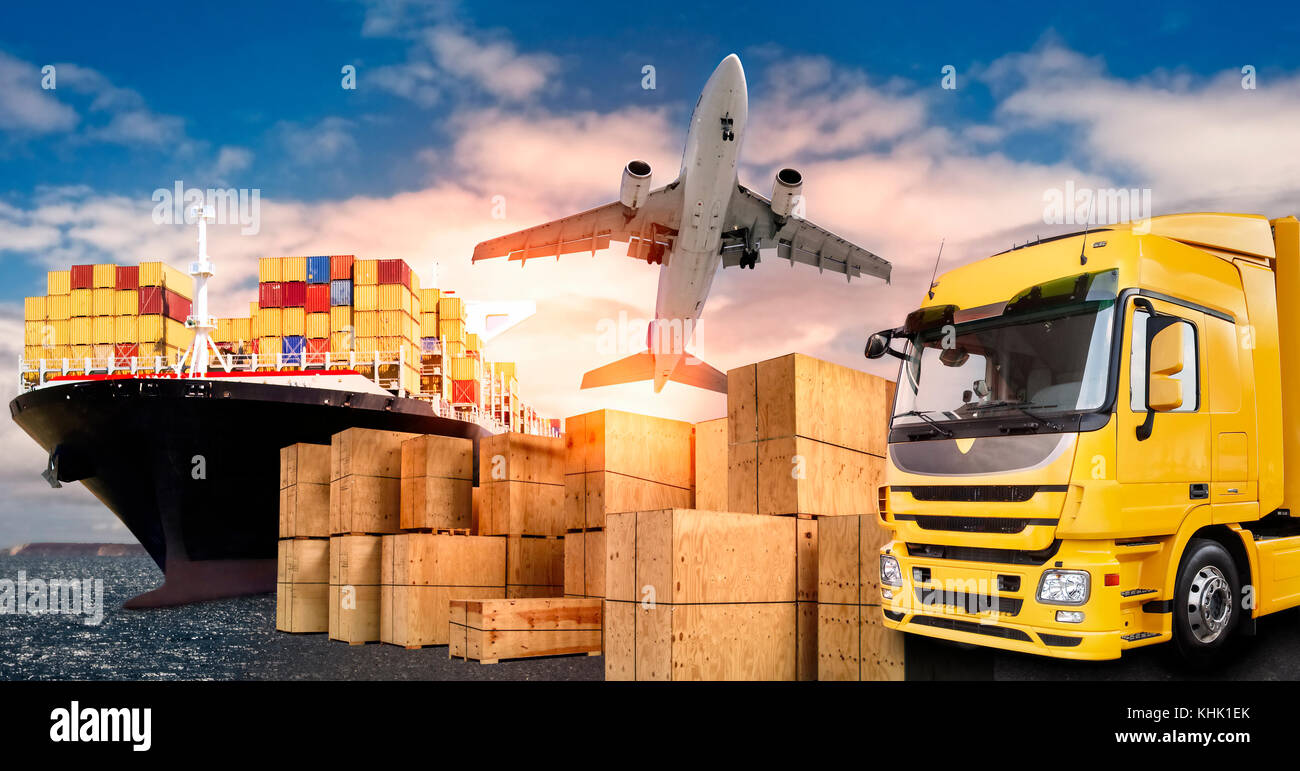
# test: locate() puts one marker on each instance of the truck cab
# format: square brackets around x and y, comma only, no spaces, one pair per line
[1088,442]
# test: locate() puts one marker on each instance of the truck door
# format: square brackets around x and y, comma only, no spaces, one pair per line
[1168,473]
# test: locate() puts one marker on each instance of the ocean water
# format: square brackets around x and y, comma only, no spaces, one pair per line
[232,639]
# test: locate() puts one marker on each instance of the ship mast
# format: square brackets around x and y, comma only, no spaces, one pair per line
[199,320]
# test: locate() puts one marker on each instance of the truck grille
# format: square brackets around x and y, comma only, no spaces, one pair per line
[974,554]
[978,493]
[956,524]
[970,626]
[967,601]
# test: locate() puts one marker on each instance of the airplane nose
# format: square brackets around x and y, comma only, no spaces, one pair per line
[731,66]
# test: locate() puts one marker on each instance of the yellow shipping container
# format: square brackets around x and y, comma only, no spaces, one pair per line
[392,344]
[506,369]
[101,330]
[451,308]
[56,333]
[104,276]
[293,269]
[367,344]
[34,353]
[365,273]
[58,307]
[268,270]
[452,330]
[80,331]
[126,302]
[393,324]
[341,342]
[414,306]
[83,352]
[34,332]
[126,329]
[222,333]
[394,297]
[318,325]
[252,309]
[293,321]
[83,303]
[365,298]
[429,299]
[428,325]
[341,318]
[473,342]
[366,323]
[270,345]
[240,330]
[162,274]
[465,368]
[34,309]
[103,303]
[269,322]
[58,282]
[453,348]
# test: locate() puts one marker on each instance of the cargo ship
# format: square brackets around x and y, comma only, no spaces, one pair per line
[175,419]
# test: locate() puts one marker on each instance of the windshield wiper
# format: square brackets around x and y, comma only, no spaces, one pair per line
[921,414]
[1022,407]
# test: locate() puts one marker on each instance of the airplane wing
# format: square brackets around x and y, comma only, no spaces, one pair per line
[795,240]
[593,230]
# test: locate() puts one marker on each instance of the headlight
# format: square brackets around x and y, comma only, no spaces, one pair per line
[1064,587]
[890,573]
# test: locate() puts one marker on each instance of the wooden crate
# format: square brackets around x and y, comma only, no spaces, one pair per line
[584,564]
[534,566]
[799,395]
[421,572]
[304,463]
[356,560]
[302,607]
[810,478]
[607,492]
[852,641]
[491,630]
[365,504]
[437,483]
[522,458]
[355,572]
[416,616]
[303,561]
[711,465]
[367,452]
[695,595]
[512,507]
[305,510]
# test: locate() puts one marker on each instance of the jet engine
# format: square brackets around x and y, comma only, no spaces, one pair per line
[636,184]
[786,191]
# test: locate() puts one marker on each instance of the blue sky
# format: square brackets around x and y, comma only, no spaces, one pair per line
[542,103]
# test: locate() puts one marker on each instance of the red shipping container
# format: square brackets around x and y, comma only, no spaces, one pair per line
[128,276]
[83,276]
[294,294]
[395,272]
[151,300]
[464,392]
[318,298]
[122,353]
[176,307]
[270,295]
[317,347]
[341,267]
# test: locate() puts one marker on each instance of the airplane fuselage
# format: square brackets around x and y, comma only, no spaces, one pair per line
[708,179]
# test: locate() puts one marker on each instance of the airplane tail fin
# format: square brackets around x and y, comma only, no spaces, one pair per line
[641,366]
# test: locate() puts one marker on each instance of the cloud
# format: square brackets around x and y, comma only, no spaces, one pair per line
[328,140]
[27,108]
[493,65]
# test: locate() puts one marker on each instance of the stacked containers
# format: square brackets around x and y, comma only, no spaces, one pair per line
[163,304]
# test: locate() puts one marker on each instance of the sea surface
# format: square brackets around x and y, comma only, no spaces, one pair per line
[231,639]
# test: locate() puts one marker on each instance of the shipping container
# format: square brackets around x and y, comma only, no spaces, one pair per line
[293,322]
[430,346]
[150,300]
[124,352]
[126,302]
[101,330]
[453,348]
[58,282]
[270,345]
[270,294]
[394,324]
[318,270]
[429,300]
[58,307]
[268,323]
[341,342]
[395,272]
[128,277]
[83,276]
[316,350]
[268,270]
[34,332]
[428,325]
[240,330]
[394,297]
[126,329]
[318,325]
[341,291]
[451,330]
[80,331]
[365,272]
[450,309]
[366,323]
[506,369]
[341,267]
[105,276]
[365,344]
[293,344]
[164,275]
[465,368]
[82,302]
[341,318]
[318,298]
[175,306]
[365,297]
[464,391]
[293,269]
[103,302]
[413,304]
[222,334]
[35,309]
[473,343]
[294,293]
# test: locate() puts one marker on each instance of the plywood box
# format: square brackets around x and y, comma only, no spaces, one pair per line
[437,483]
[849,559]
[535,566]
[491,630]
[807,477]
[711,465]
[521,508]
[799,395]
[367,452]
[305,510]
[365,504]
[654,449]
[438,559]
[522,458]
[584,564]
[354,613]
[304,463]
[416,616]
[607,492]
[355,560]
[303,561]
[302,608]
[720,641]
[852,641]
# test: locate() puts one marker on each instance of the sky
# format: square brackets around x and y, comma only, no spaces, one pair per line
[911,125]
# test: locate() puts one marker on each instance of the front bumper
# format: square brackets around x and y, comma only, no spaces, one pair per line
[995,604]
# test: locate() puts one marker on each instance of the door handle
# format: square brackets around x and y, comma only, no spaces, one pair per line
[1199,490]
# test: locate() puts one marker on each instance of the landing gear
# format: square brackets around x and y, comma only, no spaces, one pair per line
[656,255]
[749,258]
[727,134]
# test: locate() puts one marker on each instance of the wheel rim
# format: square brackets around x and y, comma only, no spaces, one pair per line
[1209,604]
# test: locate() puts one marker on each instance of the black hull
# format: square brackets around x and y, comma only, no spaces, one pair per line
[138,445]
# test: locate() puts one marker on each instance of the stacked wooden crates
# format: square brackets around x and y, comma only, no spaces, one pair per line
[521,483]
[303,574]
[618,462]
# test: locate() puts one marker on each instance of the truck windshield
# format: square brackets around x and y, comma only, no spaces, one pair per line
[1045,352]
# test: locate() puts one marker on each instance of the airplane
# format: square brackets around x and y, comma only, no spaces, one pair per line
[687,227]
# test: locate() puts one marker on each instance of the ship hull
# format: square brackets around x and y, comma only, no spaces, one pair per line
[191,467]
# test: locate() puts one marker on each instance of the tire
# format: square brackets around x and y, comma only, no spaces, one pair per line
[1207,602]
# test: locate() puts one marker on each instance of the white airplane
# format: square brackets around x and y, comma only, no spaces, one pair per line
[688,227]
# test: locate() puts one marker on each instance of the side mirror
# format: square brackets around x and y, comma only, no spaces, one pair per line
[1165,359]
[878,345]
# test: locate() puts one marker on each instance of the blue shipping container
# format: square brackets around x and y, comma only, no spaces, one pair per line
[318,270]
[293,344]
[341,292]
[430,346]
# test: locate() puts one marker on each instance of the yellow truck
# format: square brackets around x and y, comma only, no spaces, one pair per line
[1095,442]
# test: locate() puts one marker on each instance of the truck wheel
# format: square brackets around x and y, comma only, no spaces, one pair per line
[1206,610]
